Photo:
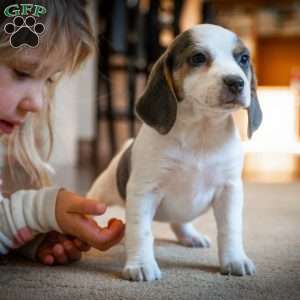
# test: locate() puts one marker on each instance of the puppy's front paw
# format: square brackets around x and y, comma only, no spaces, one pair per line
[239,267]
[195,240]
[143,271]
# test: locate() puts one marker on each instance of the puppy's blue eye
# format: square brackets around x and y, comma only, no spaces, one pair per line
[197,59]
[244,60]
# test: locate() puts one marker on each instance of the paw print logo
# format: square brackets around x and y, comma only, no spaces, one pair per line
[24,32]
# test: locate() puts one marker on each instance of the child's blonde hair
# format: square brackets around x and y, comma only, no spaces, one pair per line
[68,39]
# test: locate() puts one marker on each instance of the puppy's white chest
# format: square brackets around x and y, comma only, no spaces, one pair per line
[187,190]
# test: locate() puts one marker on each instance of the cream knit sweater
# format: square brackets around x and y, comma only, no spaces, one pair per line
[24,216]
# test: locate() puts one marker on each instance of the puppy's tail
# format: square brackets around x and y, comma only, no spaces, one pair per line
[105,187]
[125,146]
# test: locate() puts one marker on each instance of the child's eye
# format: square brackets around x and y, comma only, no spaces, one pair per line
[21,75]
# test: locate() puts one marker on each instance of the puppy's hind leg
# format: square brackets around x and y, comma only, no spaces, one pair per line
[188,236]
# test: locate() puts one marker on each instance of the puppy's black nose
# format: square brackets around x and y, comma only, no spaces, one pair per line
[234,83]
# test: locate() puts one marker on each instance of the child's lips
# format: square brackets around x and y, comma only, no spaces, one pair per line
[7,127]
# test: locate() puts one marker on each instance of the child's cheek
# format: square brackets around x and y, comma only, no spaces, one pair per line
[6,104]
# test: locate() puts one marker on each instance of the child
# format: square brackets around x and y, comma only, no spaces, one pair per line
[28,75]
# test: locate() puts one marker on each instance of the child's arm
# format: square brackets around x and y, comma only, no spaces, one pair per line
[26,214]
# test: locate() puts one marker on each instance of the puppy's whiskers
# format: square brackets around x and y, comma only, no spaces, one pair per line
[213,109]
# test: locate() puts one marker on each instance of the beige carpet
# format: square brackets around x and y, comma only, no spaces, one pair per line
[272,238]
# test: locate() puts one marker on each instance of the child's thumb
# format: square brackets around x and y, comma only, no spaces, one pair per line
[87,206]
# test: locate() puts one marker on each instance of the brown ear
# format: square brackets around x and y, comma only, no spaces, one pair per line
[157,107]
[254,111]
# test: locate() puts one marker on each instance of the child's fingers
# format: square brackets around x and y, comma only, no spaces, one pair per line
[82,246]
[44,254]
[87,206]
[99,238]
[71,251]
[113,233]
[48,260]
[59,254]
[113,242]
[45,257]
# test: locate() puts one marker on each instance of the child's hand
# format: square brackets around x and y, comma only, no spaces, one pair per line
[71,216]
[57,248]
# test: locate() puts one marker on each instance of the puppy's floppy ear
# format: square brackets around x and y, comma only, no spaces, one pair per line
[254,111]
[157,107]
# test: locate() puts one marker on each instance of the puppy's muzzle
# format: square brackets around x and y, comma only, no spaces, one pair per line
[234,83]
[233,86]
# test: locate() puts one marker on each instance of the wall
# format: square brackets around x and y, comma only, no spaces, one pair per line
[74,115]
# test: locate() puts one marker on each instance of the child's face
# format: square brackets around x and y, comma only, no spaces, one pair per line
[22,90]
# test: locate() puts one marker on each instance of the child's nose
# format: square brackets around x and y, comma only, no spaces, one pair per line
[32,104]
[32,100]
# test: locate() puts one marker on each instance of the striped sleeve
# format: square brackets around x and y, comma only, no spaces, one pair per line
[26,214]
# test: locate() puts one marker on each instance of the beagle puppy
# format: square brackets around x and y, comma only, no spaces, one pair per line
[187,156]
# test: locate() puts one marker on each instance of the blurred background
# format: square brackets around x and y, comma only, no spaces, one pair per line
[95,109]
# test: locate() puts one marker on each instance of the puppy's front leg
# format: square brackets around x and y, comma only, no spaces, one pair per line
[228,206]
[141,264]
